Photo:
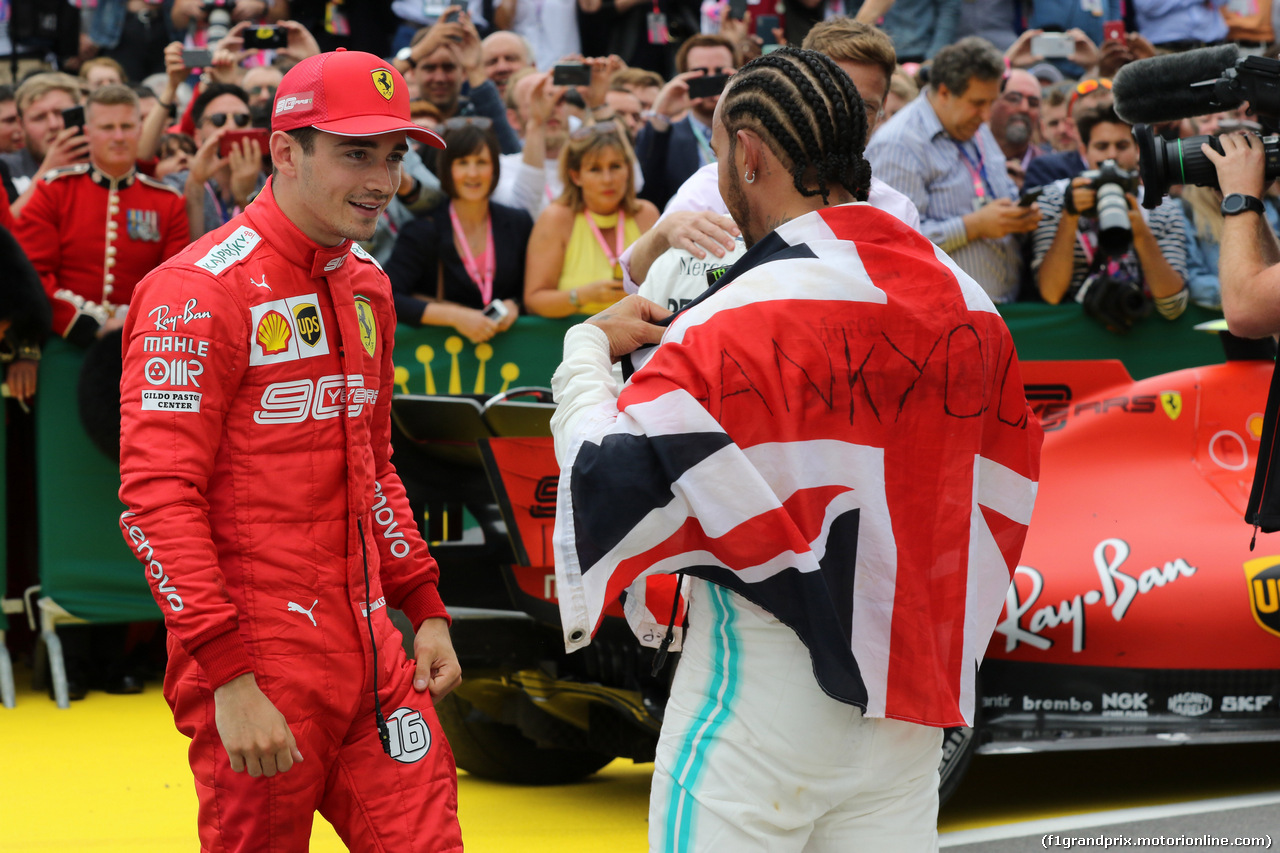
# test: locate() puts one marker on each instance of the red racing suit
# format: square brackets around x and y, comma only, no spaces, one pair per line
[261,500]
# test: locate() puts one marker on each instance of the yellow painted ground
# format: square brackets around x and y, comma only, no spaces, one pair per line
[110,775]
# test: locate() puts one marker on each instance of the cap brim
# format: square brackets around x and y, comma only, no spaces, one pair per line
[377,125]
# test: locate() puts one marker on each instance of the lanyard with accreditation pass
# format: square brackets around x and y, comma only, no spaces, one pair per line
[619,235]
[485,281]
[977,171]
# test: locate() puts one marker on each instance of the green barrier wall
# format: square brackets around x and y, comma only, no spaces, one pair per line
[86,568]
[84,564]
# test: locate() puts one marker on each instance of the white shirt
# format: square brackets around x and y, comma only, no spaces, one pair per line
[702,192]
[551,26]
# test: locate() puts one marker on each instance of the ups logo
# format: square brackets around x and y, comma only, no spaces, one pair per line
[308,323]
[1263,576]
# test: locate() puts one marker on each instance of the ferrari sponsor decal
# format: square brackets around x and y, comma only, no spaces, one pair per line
[302,100]
[1190,704]
[175,343]
[1117,592]
[381,602]
[274,333]
[335,263]
[1245,704]
[179,371]
[368,327]
[1053,405]
[386,518]
[166,319]
[363,255]
[1072,704]
[307,318]
[1171,402]
[163,585]
[1124,704]
[297,401]
[170,401]
[286,330]
[384,83]
[232,250]
[1263,577]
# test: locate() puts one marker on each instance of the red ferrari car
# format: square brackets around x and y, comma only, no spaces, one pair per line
[1137,615]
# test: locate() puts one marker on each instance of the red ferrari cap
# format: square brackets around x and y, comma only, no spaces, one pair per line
[347,92]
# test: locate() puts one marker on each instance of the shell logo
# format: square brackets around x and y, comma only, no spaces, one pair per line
[273,333]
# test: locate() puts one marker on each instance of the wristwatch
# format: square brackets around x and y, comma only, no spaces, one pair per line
[1235,203]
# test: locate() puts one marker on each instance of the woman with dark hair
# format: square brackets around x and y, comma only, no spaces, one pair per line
[575,246]
[462,264]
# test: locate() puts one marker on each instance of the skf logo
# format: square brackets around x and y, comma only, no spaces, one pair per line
[273,333]
[368,328]
[1263,577]
[1171,402]
[307,318]
[383,82]
[410,737]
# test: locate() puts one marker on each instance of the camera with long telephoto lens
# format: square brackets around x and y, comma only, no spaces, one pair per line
[1185,85]
[1110,294]
[1168,162]
[217,15]
[1111,208]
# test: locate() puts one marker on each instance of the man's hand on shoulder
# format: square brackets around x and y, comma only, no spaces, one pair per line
[438,669]
[630,324]
[254,733]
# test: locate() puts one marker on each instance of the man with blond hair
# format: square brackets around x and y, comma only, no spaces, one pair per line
[50,144]
[93,230]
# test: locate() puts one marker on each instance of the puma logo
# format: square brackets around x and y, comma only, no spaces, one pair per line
[298,608]
[262,283]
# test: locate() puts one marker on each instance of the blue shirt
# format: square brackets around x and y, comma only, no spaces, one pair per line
[1164,21]
[917,157]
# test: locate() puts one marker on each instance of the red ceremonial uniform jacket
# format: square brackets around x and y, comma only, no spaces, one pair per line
[255,450]
[92,238]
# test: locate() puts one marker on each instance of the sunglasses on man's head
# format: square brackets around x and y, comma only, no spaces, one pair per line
[219,119]
[589,130]
[478,122]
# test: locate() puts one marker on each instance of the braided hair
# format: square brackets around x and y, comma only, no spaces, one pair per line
[808,112]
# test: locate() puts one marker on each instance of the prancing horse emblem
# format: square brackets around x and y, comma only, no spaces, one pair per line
[384,83]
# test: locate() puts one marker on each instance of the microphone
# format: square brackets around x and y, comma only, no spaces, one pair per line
[1159,89]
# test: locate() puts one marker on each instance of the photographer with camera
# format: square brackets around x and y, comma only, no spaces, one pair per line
[1249,265]
[1094,244]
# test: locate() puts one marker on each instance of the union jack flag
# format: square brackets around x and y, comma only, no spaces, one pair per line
[836,431]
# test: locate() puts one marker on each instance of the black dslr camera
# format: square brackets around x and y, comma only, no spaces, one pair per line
[1169,162]
[1111,183]
[217,14]
[1110,294]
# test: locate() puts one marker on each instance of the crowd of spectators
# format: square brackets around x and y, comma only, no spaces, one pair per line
[118,148]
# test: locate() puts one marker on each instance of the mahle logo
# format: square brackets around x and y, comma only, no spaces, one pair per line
[1263,577]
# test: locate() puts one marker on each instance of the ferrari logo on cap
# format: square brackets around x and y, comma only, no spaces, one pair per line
[1263,577]
[384,83]
[1172,403]
[368,328]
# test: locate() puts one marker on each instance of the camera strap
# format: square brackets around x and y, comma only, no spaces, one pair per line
[1263,509]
